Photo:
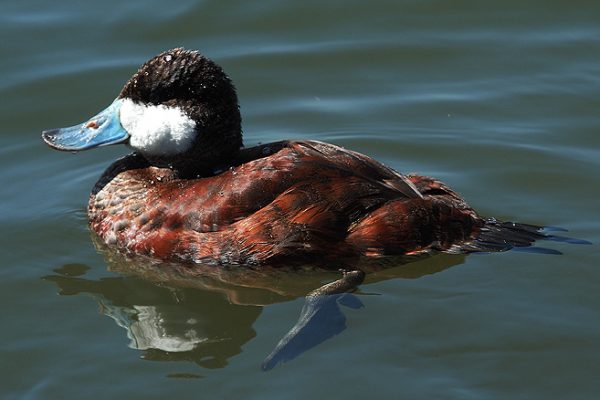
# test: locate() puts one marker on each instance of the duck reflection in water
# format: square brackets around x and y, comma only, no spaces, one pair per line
[165,323]
[206,316]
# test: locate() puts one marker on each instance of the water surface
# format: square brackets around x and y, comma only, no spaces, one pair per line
[498,99]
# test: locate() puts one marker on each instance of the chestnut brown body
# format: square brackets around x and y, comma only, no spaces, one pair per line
[278,203]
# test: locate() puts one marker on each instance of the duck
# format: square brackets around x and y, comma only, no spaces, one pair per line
[190,192]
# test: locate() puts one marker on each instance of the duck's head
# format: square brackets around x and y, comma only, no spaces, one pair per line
[180,110]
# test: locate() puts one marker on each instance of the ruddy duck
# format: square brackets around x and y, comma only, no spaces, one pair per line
[190,191]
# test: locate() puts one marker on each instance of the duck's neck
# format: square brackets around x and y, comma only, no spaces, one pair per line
[210,153]
[204,167]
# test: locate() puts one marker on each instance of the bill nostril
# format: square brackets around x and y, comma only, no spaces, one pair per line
[92,125]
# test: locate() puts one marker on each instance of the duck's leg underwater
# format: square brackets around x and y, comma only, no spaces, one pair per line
[320,319]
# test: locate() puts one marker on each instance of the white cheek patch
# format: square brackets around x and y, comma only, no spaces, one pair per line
[157,130]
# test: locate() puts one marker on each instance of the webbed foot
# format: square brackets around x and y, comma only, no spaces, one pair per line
[320,319]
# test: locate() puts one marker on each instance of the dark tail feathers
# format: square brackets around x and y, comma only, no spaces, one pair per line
[497,236]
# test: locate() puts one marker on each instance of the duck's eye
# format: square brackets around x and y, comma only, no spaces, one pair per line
[92,125]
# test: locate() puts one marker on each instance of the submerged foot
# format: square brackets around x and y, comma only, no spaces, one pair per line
[320,319]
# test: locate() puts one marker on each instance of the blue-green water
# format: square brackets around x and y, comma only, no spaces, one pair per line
[500,99]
